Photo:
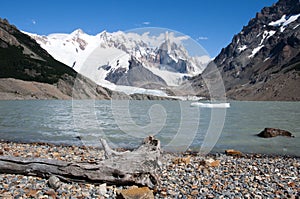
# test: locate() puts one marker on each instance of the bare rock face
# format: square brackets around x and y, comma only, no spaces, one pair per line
[6,38]
[137,76]
[272,132]
[262,61]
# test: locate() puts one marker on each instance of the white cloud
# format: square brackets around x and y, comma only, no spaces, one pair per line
[33,21]
[146,23]
[201,38]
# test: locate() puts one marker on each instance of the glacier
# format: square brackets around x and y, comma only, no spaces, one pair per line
[97,56]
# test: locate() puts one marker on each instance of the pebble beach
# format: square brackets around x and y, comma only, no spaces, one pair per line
[185,175]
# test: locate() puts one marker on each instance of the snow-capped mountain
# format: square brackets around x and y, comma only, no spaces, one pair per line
[126,58]
[29,72]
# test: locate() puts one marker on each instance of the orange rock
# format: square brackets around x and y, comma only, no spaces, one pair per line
[176,160]
[135,193]
[185,160]
[195,192]
[214,186]
[37,154]
[32,193]
[16,154]
[233,152]
[210,162]
[291,184]
[206,182]
[56,154]
[194,186]
[215,163]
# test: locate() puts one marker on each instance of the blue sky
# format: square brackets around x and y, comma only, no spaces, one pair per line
[211,22]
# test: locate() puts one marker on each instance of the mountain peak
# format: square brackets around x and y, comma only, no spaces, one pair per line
[263,54]
[78,32]
[116,49]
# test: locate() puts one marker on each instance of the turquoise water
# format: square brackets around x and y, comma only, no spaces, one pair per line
[178,125]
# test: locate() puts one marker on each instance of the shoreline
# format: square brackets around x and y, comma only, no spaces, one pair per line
[188,152]
[160,98]
[215,175]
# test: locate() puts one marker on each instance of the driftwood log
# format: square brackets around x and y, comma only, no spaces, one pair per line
[120,168]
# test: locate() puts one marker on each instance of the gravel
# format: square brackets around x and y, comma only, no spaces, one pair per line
[249,176]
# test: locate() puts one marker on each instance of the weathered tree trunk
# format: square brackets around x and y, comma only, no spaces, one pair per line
[135,167]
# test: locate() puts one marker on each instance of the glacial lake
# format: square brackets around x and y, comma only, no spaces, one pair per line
[178,125]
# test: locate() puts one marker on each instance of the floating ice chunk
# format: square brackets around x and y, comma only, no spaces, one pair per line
[209,105]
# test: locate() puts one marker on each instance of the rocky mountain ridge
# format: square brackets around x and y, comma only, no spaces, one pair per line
[263,61]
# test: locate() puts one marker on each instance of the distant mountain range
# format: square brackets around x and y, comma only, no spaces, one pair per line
[263,61]
[126,58]
[27,71]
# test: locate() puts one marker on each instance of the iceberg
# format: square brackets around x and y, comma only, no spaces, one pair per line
[210,105]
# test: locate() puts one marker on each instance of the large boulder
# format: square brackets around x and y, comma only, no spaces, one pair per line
[273,132]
